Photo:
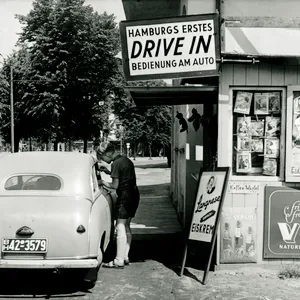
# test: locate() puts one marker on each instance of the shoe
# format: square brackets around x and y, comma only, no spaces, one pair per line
[126,262]
[113,265]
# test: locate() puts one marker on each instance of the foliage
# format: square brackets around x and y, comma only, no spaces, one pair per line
[70,55]
[289,271]
[23,124]
[147,125]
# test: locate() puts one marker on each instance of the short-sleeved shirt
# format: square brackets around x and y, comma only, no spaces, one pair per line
[122,168]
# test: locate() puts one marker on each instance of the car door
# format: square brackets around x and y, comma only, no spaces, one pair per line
[102,203]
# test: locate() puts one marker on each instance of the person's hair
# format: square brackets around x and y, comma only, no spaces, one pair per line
[104,147]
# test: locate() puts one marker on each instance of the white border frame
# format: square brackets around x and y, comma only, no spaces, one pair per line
[289,129]
[282,136]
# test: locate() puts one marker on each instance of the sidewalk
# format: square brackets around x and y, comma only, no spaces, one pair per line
[154,272]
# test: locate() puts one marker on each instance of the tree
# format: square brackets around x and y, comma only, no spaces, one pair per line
[24,125]
[72,51]
[146,125]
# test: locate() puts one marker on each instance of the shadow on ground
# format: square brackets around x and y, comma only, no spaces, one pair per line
[40,284]
[167,250]
[155,190]
[162,165]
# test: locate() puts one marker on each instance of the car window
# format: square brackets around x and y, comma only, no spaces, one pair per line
[38,182]
[95,181]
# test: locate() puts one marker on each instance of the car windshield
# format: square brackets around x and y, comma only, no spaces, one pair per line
[33,182]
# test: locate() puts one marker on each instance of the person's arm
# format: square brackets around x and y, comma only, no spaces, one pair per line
[105,170]
[111,185]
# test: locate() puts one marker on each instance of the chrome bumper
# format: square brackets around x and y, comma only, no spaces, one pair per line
[48,264]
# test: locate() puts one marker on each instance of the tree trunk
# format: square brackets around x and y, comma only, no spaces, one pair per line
[70,146]
[16,141]
[55,146]
[150,151]
[85,145]
[30,144]
[134,150]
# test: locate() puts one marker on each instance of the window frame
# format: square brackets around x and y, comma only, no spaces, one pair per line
[95,180]
[282,155]
[33,174]
[289,177]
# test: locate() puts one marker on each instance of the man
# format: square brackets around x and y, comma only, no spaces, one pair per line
[124,182]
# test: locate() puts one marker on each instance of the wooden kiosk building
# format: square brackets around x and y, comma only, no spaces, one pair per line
[250,117]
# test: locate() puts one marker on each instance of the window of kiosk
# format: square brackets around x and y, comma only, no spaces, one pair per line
[258,132]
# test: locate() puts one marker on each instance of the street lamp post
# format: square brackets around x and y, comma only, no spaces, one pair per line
[12,111]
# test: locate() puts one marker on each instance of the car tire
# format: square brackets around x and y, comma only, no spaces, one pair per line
[88,285]
[87,278]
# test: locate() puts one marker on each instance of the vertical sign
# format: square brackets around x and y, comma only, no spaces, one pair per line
[293,135]
[282,223]
[206,214]
[185,46]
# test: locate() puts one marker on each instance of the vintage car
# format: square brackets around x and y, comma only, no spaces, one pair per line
[53,214]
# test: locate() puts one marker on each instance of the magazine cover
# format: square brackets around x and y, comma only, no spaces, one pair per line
[261,103]
[296,131]
[270,166]
[274,102]
[243,162]
[272,126]
[243,143]
[257,127]
[297,105]
[244,126]
[271,148]
[257,145]
[243,103]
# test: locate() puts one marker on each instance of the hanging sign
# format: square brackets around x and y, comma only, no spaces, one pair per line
[206,214]
[185,46]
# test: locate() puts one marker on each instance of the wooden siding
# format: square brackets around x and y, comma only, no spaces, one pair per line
[258,75]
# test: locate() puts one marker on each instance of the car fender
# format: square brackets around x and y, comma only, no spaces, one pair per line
[98,223]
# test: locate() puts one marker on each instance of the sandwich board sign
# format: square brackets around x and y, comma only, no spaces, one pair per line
[177,47]
[205,218]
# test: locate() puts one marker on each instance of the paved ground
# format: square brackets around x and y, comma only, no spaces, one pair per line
[154,271]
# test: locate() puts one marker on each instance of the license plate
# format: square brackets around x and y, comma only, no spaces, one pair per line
[24,245]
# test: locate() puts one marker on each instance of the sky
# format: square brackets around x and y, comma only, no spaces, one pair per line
[9,26]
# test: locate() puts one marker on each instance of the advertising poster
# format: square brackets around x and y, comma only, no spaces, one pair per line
[243,162]
[238,235]
[170,47]
[207,205]
[243,102]
[257,127]
[243,126]
[272,126]
[274,102]
[295,163]
[282,223]
[261,103]
[269,166]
